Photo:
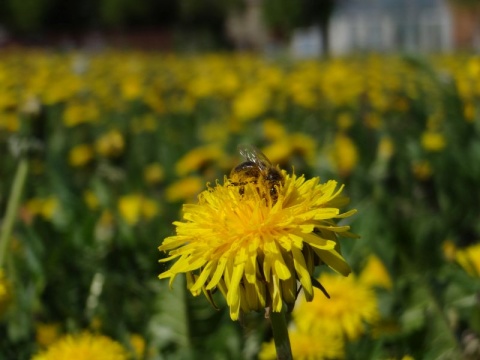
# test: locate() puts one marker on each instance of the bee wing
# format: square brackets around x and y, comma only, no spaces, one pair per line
[251,153]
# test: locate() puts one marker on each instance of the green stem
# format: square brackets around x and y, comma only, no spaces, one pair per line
[280,335]
[13,202]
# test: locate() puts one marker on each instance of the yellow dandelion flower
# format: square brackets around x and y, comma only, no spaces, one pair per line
[153,174]
[77,113]
[351,305]
[149,209]
[344,154]
[110,144]
[254,246]
[469,259]
[273,129]
[197,159]
[80,155]
[46,333]
[279,151]
[283,149]
[214,131]
[131,88]
[449,250]
[155,100]
[386,148]
[422,170]
[305,146]
[184,189]
[404,357]
[84,347]
[49,207]
[31,209]
[345,121]
[9,121]
[251,103]
[307,347]
[5,292]
[469,111]
[129,207]
[138,344]
[44,207]
[135,207]
[375,274]
[433,141]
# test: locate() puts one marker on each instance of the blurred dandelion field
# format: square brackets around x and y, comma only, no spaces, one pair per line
[116,142]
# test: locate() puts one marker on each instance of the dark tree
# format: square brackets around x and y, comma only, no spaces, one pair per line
[319,12]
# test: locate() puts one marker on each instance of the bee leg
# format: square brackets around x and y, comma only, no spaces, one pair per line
[241,187]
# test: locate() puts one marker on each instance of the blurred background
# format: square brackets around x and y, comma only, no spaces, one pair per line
[114,113]
[306,27]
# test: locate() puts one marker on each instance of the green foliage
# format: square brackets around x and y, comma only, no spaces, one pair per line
[281,15]
[402,134]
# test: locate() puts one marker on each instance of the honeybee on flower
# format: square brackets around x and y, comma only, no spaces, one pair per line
[257,169]
[259,236]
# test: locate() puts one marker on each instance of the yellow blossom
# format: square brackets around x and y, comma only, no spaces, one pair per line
[352,304]
[254,249]
[46,333]
[344,154]
[77,113]
[49,207]
[307,347]
[9,121]
[305,146]
[110,144]
[5,293]
[184,189]
[449,250]
[149,209]
[469,111]
[153,173]
[131,87]
[80,155]
[279,152]
[197,159]
[251,103]
[84,346]
[469,259]
[422,170]
[433,141]
[386,148]
[155,101]
[273,129]
[375,274]
[214,132]
[344,121]
[283,149]
[138,345]
[44,207]
[135,207]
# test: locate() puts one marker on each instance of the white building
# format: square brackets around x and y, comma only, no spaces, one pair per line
[391,25]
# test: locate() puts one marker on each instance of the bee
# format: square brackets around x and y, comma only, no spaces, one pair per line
[257,169]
